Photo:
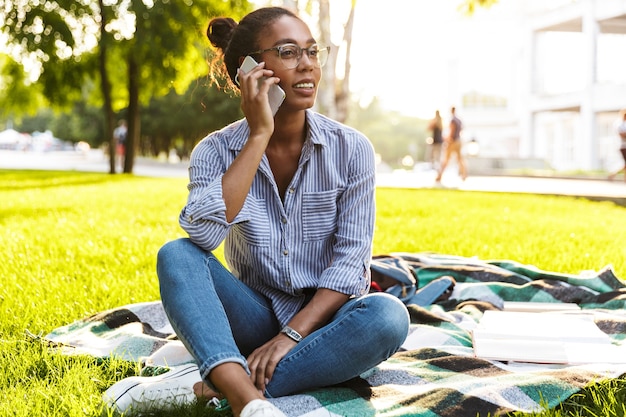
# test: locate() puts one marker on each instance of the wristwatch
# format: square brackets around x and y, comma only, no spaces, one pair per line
[292,334]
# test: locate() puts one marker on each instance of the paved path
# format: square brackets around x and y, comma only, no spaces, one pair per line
[593,188]
[94,161]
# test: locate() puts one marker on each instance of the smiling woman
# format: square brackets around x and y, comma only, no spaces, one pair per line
[290,196]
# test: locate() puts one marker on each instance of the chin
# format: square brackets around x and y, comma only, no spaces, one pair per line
[301,105]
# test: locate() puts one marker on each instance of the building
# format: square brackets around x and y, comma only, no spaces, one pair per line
[566,64]
[569,115]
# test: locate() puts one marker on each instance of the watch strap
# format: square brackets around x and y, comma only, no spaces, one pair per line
[292,334]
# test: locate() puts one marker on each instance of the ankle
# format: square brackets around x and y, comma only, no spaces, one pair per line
[235,384]
[241,399]
[203,391]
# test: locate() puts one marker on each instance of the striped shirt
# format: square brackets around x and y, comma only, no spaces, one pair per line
[320,236]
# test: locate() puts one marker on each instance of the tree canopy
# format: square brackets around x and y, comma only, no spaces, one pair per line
[133,50]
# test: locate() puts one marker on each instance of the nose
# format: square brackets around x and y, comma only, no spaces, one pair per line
[305,60]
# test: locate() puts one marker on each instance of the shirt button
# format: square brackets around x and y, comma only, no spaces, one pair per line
[285,252]
[284,220]
[291,190]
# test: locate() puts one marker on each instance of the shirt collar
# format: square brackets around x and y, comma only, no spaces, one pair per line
[241,131]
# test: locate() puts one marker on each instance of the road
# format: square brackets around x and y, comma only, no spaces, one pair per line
[95,161]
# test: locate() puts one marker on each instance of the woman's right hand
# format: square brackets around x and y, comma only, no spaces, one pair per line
[255,104]
[255,100]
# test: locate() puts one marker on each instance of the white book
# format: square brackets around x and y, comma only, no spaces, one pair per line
[531,306]
[544,337]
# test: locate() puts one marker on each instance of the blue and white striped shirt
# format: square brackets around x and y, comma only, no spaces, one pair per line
[319,237]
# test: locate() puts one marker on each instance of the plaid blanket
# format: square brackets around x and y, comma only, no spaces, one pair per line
[436,373]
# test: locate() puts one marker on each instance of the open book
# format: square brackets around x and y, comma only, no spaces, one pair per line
[562,337]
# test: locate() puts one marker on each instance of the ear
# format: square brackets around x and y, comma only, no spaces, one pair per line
[241,58]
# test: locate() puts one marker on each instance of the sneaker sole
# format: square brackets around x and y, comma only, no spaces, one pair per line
[121,392]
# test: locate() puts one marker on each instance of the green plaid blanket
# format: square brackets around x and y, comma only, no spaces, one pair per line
[436,373]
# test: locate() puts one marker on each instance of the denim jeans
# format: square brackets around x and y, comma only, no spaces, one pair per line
[220,319]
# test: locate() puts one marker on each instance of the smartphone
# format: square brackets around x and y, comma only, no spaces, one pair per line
[276,94]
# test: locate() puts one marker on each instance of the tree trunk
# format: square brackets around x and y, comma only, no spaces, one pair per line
[134,123]
[105,86]
[326,92]
[342,96]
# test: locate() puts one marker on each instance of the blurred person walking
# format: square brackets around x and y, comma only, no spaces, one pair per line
[436,127]
[453,146]
[119,134]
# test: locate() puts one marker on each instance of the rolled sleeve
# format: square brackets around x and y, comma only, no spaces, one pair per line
[204,215]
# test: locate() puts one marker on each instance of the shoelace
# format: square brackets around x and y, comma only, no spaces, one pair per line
[220,405]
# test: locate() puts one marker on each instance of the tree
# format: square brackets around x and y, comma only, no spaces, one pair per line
[44,39]
[137,49]
[179,121]
[105,85]
[469,6]
[18,97]
[393,135]
[333,95]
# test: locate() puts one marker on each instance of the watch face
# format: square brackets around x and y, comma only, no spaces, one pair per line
[294,335]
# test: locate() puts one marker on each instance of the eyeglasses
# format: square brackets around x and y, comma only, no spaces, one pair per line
[290,54]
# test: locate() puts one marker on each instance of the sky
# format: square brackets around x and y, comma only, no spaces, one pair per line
[417,56]
[420,55]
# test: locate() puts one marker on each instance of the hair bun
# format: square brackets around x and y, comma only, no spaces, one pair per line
[220,31]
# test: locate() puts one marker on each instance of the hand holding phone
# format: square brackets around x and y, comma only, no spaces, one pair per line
[276,94]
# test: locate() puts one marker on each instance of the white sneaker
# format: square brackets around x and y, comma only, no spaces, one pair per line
[261,408]
[172,388]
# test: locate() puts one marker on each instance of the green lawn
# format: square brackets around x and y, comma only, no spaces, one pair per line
[79,243]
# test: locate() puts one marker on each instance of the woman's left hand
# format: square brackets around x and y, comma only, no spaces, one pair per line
[262,362]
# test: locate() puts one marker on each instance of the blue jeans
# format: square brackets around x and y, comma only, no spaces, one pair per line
[220,319]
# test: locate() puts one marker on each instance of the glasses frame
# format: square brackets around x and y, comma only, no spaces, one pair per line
[299,55]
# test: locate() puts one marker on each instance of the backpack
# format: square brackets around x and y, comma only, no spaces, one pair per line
[393,275]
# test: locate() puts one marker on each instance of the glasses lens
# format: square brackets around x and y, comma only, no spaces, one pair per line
[289,55]
[322,56]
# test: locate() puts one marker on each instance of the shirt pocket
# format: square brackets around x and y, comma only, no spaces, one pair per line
[256,230]
[319,215]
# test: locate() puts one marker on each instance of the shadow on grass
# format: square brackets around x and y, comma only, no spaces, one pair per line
[12,180]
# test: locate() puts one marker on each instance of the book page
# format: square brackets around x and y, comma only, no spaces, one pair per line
[545,337]
[530,306]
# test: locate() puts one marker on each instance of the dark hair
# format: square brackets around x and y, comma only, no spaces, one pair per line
[235,40]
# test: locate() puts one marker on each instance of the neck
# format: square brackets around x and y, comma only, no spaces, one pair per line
[288,129]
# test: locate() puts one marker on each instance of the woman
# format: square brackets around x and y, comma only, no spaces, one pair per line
[436,126]
[292,198]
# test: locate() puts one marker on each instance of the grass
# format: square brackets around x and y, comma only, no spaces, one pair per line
[78,243]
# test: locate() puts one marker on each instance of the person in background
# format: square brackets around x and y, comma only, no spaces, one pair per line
[453,147]
[119,134]
[436,127]
[621,131]
[291,198]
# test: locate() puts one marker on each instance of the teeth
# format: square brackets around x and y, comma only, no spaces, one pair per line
[304,85]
